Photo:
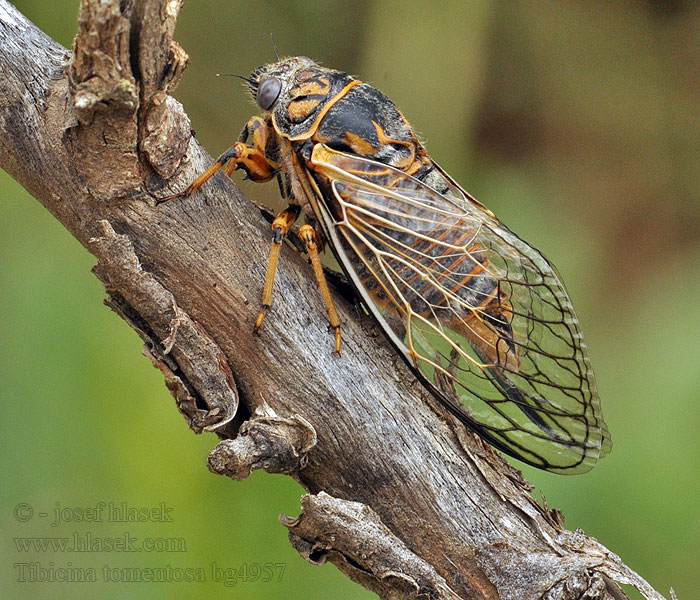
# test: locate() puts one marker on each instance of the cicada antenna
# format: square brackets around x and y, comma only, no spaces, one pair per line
[246,79]
[274,48]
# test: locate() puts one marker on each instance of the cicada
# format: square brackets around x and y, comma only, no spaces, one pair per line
[479,314]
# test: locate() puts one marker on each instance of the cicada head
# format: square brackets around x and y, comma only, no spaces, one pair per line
[270,82]
[295,91]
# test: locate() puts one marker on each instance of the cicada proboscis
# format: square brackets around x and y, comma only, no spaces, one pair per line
[478,313]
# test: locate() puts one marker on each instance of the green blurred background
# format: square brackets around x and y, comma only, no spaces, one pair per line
[578,123]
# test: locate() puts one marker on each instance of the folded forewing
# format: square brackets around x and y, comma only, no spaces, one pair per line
[479,313]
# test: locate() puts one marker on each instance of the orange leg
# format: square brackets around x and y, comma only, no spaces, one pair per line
[250,158]
[280,227]
[258,167]
[308,236]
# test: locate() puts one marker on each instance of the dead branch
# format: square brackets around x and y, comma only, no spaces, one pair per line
[401,498]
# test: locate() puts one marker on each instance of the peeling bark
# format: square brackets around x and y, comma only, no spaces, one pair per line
[195,369]
[266,441]
[352,536]
[401,498]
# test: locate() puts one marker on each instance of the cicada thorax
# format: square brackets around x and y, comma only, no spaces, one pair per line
[304,102]
[366,123]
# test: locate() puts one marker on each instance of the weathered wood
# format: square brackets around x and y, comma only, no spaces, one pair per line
[402,498]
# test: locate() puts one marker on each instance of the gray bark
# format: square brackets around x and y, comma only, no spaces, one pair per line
[401,498]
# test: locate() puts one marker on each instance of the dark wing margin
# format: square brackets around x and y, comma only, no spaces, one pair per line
[480,315]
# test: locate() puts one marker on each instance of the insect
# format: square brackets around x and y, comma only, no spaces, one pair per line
[479,315]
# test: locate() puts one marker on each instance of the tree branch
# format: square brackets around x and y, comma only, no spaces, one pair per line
[402,499]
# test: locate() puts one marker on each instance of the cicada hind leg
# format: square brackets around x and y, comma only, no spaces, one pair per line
[309,236]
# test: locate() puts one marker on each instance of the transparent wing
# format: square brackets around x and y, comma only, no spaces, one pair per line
[480,314]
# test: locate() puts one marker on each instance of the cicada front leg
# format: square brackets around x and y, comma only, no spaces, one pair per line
[251,158]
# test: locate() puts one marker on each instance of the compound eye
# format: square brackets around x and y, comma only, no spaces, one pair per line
[268,92]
